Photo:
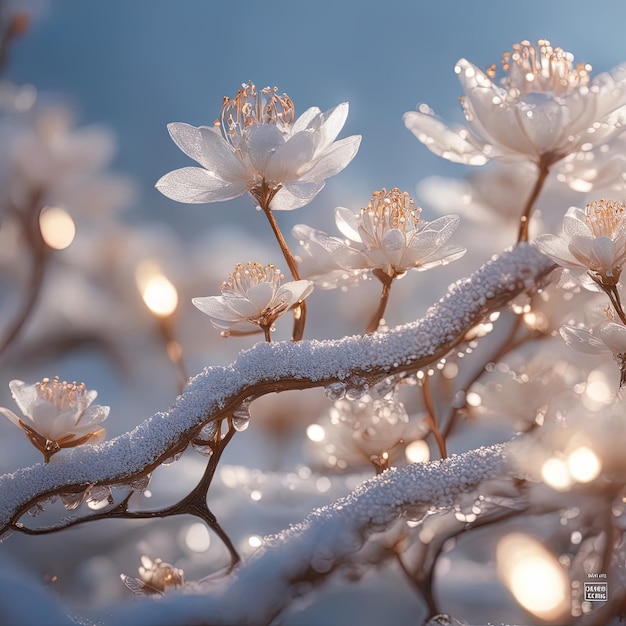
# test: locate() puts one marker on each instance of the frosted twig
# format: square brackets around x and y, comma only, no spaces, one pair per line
[310,551]
[217,391]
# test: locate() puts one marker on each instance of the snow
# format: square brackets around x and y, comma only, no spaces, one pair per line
[314,548]
[216,391]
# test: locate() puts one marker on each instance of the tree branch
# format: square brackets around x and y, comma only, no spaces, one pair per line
[311,551]
[217,391]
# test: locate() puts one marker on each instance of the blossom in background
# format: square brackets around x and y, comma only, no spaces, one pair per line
[592,240]
[259,145]
[57,414]
[363,432]
[387,236]
[601,166]
[608,338]
[156,577]
[253,297]
[544,109]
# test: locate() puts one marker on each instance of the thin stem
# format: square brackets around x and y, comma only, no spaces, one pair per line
[374,322]
[544,170]
[431,417]
[266,332]
[612,293]
[29,221]
[193,503]
[264,195]
[174,349]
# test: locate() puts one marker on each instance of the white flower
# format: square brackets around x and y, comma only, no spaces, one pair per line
[252,299]
[364,431]
[57,414]
[609,337]
[600,167]
[156,577]
[260,145]
[544,109]
[387,236]
[593,239]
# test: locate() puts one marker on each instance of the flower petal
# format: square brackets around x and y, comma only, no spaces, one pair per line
[582,340]
[446,142]
[294,291]
[335,159]
[194,185]
[10,416]
[348,223]
[206,146]
[216,307]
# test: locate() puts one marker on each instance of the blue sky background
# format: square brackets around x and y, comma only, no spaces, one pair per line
[135,66]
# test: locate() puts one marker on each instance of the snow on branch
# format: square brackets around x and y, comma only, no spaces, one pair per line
[260,588]
[270,367]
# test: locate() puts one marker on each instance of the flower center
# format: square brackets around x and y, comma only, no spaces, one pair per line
[606,218]
[541,69]
[393,210]
[61,394]
[247,276]
[252,106]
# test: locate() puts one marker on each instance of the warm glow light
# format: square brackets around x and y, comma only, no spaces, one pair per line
[556,474]
[57,227]
[473,399]
[583,465]
[315,433]
[197,538]
[534,576]
[417,452]
[158,293]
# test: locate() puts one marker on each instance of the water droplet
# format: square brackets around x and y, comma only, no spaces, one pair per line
[359,389]
[209,431]
[36,510]
[72,501]
[99,497]
[241,417]
[172,459]
[335,391]
[385,389]
[203,449]
[141,484]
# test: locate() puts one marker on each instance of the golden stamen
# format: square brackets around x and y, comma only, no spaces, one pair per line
[395,209]
[252,106]
[606,218]
[541,68]
[61,394]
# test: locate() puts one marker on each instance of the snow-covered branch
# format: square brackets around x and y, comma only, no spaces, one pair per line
[314,548]
[217,391]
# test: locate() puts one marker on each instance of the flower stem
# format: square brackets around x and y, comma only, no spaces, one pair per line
[386,280]
[264,194]
[173,349]
[611,291]
[431,417]
[29,222]
[544,170]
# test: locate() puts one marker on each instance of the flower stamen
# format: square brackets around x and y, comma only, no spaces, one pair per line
[606,218]
[252,106]
[541,69]
[393,210]
[61,394]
